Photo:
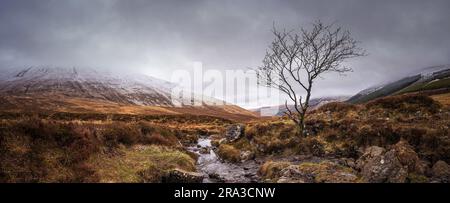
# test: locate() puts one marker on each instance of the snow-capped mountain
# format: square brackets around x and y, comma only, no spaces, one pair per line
[431,78]
[89,83]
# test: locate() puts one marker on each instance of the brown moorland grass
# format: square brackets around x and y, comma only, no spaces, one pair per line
[343,130]
[229,153]
[57,103]
[40,150]
[140,163]
[444,99]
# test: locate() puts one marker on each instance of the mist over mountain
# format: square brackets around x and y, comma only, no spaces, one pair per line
[132,88]
[427,79]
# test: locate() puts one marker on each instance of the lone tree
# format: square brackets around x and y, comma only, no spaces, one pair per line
[295,60]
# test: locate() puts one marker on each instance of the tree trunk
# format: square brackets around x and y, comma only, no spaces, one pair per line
[301,124]
[302,114]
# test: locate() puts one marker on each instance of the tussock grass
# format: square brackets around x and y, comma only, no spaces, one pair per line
[40,150]
[342,130]
[229,153]
[141,163]
[271,169]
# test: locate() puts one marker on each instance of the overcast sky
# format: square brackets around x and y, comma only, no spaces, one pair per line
[157,37]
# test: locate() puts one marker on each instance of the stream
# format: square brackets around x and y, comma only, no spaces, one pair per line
[217,171]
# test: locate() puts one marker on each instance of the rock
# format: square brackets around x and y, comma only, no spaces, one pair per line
[218,142]
[329,172]
[216,177]
[234,132]
[288,180]
[441,172]
[301,158]
[323,172]
[205,150]
[292,174]
[215,143]
[369,154]
[408,157]
[247,155]
[190,139]
[250,175]
[222,141]
[378,166]
[181,176]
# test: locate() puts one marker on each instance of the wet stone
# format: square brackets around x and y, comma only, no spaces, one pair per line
[214,170]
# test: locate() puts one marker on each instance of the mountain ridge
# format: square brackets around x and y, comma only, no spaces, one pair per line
[427,79]
[85,90]
[128,88]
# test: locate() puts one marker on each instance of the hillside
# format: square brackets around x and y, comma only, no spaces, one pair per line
[433,78]
[56,132]
[84,90]
[87,83]
[394,139]
[118,87]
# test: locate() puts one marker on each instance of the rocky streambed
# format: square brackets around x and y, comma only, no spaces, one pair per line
[216,170]
[397,163]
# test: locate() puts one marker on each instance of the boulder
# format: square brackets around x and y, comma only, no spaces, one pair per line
[181,176]
[409,158]
[234,132]
[369,153]
[378,165]
[292,174]
[441,172]
[322,172]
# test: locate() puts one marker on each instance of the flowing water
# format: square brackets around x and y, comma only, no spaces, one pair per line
[215,170]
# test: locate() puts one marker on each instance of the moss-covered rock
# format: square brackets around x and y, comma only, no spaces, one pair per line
[441,172]
[378,165]
[181,176]
[308,172]
[271,169]
[229,153]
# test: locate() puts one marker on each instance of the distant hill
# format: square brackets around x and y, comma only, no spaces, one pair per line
[88,90]
[90,83]
[433,78]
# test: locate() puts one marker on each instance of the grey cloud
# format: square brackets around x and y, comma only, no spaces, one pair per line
[159,36]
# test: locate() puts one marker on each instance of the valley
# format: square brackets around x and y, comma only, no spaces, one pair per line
[59,133]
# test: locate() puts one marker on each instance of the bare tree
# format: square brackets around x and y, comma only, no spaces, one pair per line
[295,60]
